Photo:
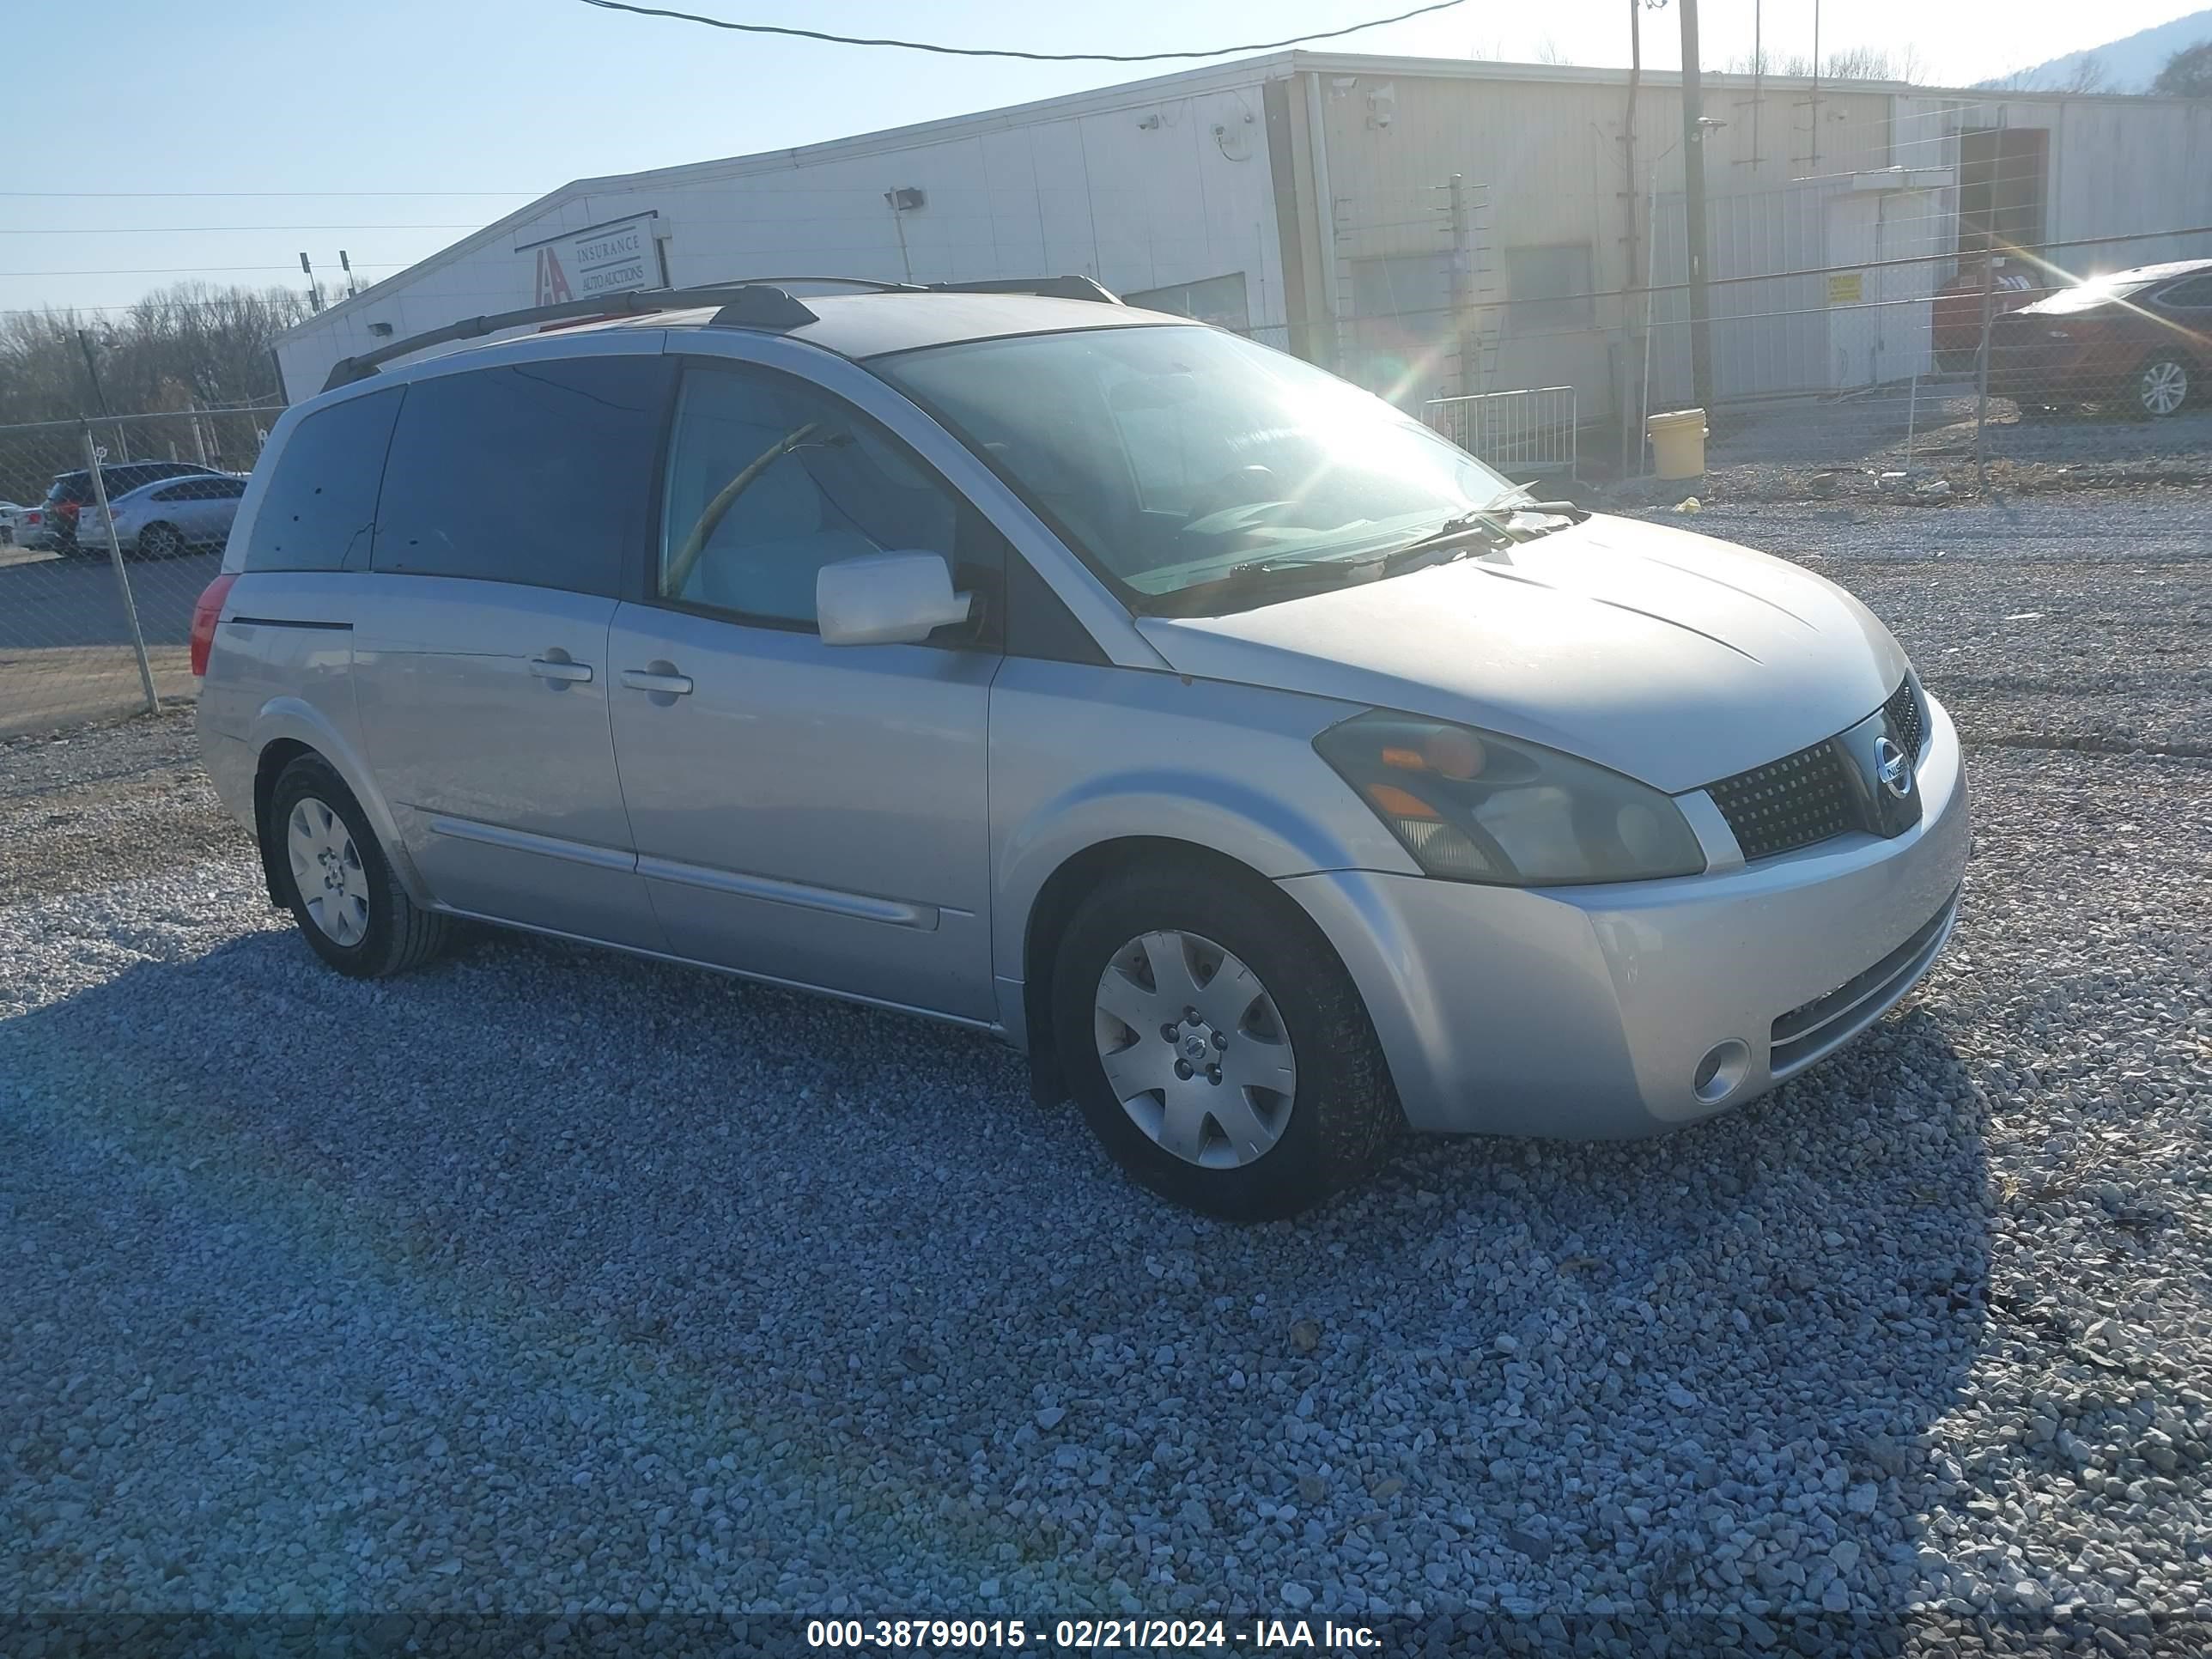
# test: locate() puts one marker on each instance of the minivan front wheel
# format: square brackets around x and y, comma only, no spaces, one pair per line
[1217,1047]
[336,881]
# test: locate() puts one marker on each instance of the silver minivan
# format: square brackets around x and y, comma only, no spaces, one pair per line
[1268,770]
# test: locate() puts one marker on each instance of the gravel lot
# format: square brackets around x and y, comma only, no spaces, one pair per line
[551,1283]
[1790,450]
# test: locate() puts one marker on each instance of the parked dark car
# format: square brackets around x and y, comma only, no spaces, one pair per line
[2140,337]
[69,491]
[1955,317]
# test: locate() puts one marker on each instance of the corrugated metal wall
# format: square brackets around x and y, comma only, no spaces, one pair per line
[1140,195]
[1550,154]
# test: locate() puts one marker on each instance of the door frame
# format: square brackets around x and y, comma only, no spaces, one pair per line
[1102,616]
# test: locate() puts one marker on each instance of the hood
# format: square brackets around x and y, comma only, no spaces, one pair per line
[1670,657]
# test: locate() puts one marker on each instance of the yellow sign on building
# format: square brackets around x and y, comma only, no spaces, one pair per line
[1846,288]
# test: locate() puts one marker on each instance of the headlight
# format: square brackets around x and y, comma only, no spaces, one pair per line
[1471,806]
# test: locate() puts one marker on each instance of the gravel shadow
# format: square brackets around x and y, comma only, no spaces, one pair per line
[770,1301]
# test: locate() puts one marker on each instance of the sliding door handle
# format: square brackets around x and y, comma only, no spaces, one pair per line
[640,679]
[550,668]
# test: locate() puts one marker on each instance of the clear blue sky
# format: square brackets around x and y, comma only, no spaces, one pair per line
[515,97]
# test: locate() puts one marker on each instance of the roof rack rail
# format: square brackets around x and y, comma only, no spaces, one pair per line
[756,302]
[742,305]
[1045,288]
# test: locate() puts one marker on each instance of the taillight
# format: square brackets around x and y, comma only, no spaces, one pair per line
[205,615]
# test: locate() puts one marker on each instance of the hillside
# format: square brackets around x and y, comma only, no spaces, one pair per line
[2128,66]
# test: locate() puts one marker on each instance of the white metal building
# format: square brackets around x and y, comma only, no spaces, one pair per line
[1427,226]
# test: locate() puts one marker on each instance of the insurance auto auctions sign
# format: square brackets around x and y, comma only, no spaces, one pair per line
[598,259]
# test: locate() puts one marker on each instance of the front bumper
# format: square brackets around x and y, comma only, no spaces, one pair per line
[1585,1012]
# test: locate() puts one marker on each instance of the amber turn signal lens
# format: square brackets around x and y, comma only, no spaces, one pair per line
[1399,802]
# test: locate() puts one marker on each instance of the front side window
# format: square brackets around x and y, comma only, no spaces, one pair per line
[1169,457]
[530,472]
[770,480]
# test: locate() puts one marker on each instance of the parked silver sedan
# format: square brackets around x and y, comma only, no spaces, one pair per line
[1271,771]
[167,517]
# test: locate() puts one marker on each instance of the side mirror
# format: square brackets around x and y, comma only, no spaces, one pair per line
[887,599]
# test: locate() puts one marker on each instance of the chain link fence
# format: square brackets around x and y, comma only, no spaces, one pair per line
[1935,311]
[110,529]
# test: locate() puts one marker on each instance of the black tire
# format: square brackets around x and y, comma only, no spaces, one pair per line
[161,541]
[399,934]
[1343,1111]
[2161,387]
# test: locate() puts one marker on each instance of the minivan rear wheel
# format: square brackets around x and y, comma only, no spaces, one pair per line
[337,882]
[1217,1047]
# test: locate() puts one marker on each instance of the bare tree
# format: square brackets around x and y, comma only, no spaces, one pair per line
[1854,64]
[2086,75]
[189,344]
[2187,73]
[1548,51]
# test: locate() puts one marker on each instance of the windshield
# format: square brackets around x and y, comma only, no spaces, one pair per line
[1169,457]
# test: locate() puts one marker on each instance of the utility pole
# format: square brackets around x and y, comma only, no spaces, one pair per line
[346,265]
[1694,210]
[100,394]
[92,368]
[314,291]
[1628,152]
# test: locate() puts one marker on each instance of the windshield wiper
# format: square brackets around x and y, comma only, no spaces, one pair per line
[1495,521]
[1316,574]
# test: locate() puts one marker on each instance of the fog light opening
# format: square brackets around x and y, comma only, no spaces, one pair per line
[1720,1072]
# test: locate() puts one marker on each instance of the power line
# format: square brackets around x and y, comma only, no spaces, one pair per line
[185,270]
[208,195]
[181,230]
[1026,57]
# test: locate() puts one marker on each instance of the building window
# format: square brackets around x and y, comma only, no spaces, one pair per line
[1411,291]
[1218,300]
[1548,288]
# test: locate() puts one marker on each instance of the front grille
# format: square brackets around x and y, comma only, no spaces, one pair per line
[1828,790]
[1904,728]
[1796,801]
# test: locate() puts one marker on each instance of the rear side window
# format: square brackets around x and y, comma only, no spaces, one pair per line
[535,472]
[2194,292]
[202,490]
[321,506]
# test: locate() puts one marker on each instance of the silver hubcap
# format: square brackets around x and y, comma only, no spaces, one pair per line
[327,871]
[1195,1050]
[2164,386]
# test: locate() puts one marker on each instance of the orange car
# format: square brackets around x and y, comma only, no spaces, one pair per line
[2143,338]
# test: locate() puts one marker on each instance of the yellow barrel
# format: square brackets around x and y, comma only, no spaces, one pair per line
[1678,443]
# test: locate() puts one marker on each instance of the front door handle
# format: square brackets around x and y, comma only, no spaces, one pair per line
[549,668]
[640,679]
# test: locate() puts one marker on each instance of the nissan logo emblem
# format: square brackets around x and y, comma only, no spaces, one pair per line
[1894,767]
